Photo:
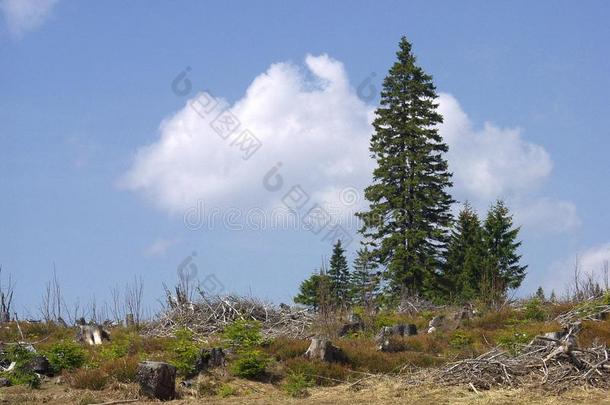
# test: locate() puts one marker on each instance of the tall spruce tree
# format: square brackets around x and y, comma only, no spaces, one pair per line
[502,268]
[409,206]
[364,279]
[465,256]
[339,276]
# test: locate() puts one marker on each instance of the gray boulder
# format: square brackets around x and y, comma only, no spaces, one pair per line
[4,382]
[157,380]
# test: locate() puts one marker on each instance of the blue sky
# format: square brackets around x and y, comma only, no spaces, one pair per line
[100,160]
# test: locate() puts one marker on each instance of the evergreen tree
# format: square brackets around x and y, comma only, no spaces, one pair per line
[502,268]
[540,294]
[465,256]
[409,206]
[553,298]
[312,290]
[364,279]
[339,276]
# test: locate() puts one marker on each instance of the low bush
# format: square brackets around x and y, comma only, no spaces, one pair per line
[65,355]
[185,352]
[243,334]
[122,370]
[322,373]
[90,379]
[249,363]
[534,311]
[226,390]
[21,373]
[121,345]
[296,384]
[513,341]
[283,348]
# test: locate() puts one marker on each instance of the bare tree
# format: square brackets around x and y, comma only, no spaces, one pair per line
[117,308]
[133,299]
[6,298]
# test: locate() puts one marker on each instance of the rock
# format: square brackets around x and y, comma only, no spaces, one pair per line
[40,365]
[210,358]
[4,382]
[383,338]
[323,349]
[157,379]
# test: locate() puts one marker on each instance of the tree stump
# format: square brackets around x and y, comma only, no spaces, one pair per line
[210,358]
[324,350]
[157,379]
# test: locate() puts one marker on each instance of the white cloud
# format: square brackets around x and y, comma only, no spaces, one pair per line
[492,161]
[22,16]
[313,122]
[547,215]
[591,261]
[159,247]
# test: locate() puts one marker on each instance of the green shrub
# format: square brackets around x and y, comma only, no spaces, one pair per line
[226,390]
[460,340]
[243,334]
[65,355]
[534,311]
[122,345]
[514,341]
[21,374]
[249,364]
[185,352]
[296,384]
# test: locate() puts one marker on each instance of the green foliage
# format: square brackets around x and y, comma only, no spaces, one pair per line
[534,311]
[21,374]
[66,355]
[296,384]
[249,363]
[364,280]
[310,290]
[122,345]
[460,340]
[514,341]
[540,294]
[465,256]
[243,334]
[185,352]
[502,268]
[409,204]
[339,276]
[226,390]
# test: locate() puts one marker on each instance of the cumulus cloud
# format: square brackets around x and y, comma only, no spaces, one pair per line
[311,123]
[22,16]
[492,161]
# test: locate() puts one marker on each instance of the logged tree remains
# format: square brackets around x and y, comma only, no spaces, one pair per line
[555,364]
[208,315]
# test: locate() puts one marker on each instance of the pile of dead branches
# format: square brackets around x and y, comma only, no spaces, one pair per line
[552,361]
[585,311]
[208,315]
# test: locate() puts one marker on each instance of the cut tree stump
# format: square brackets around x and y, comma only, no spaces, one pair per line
[157,380]
[324,350]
